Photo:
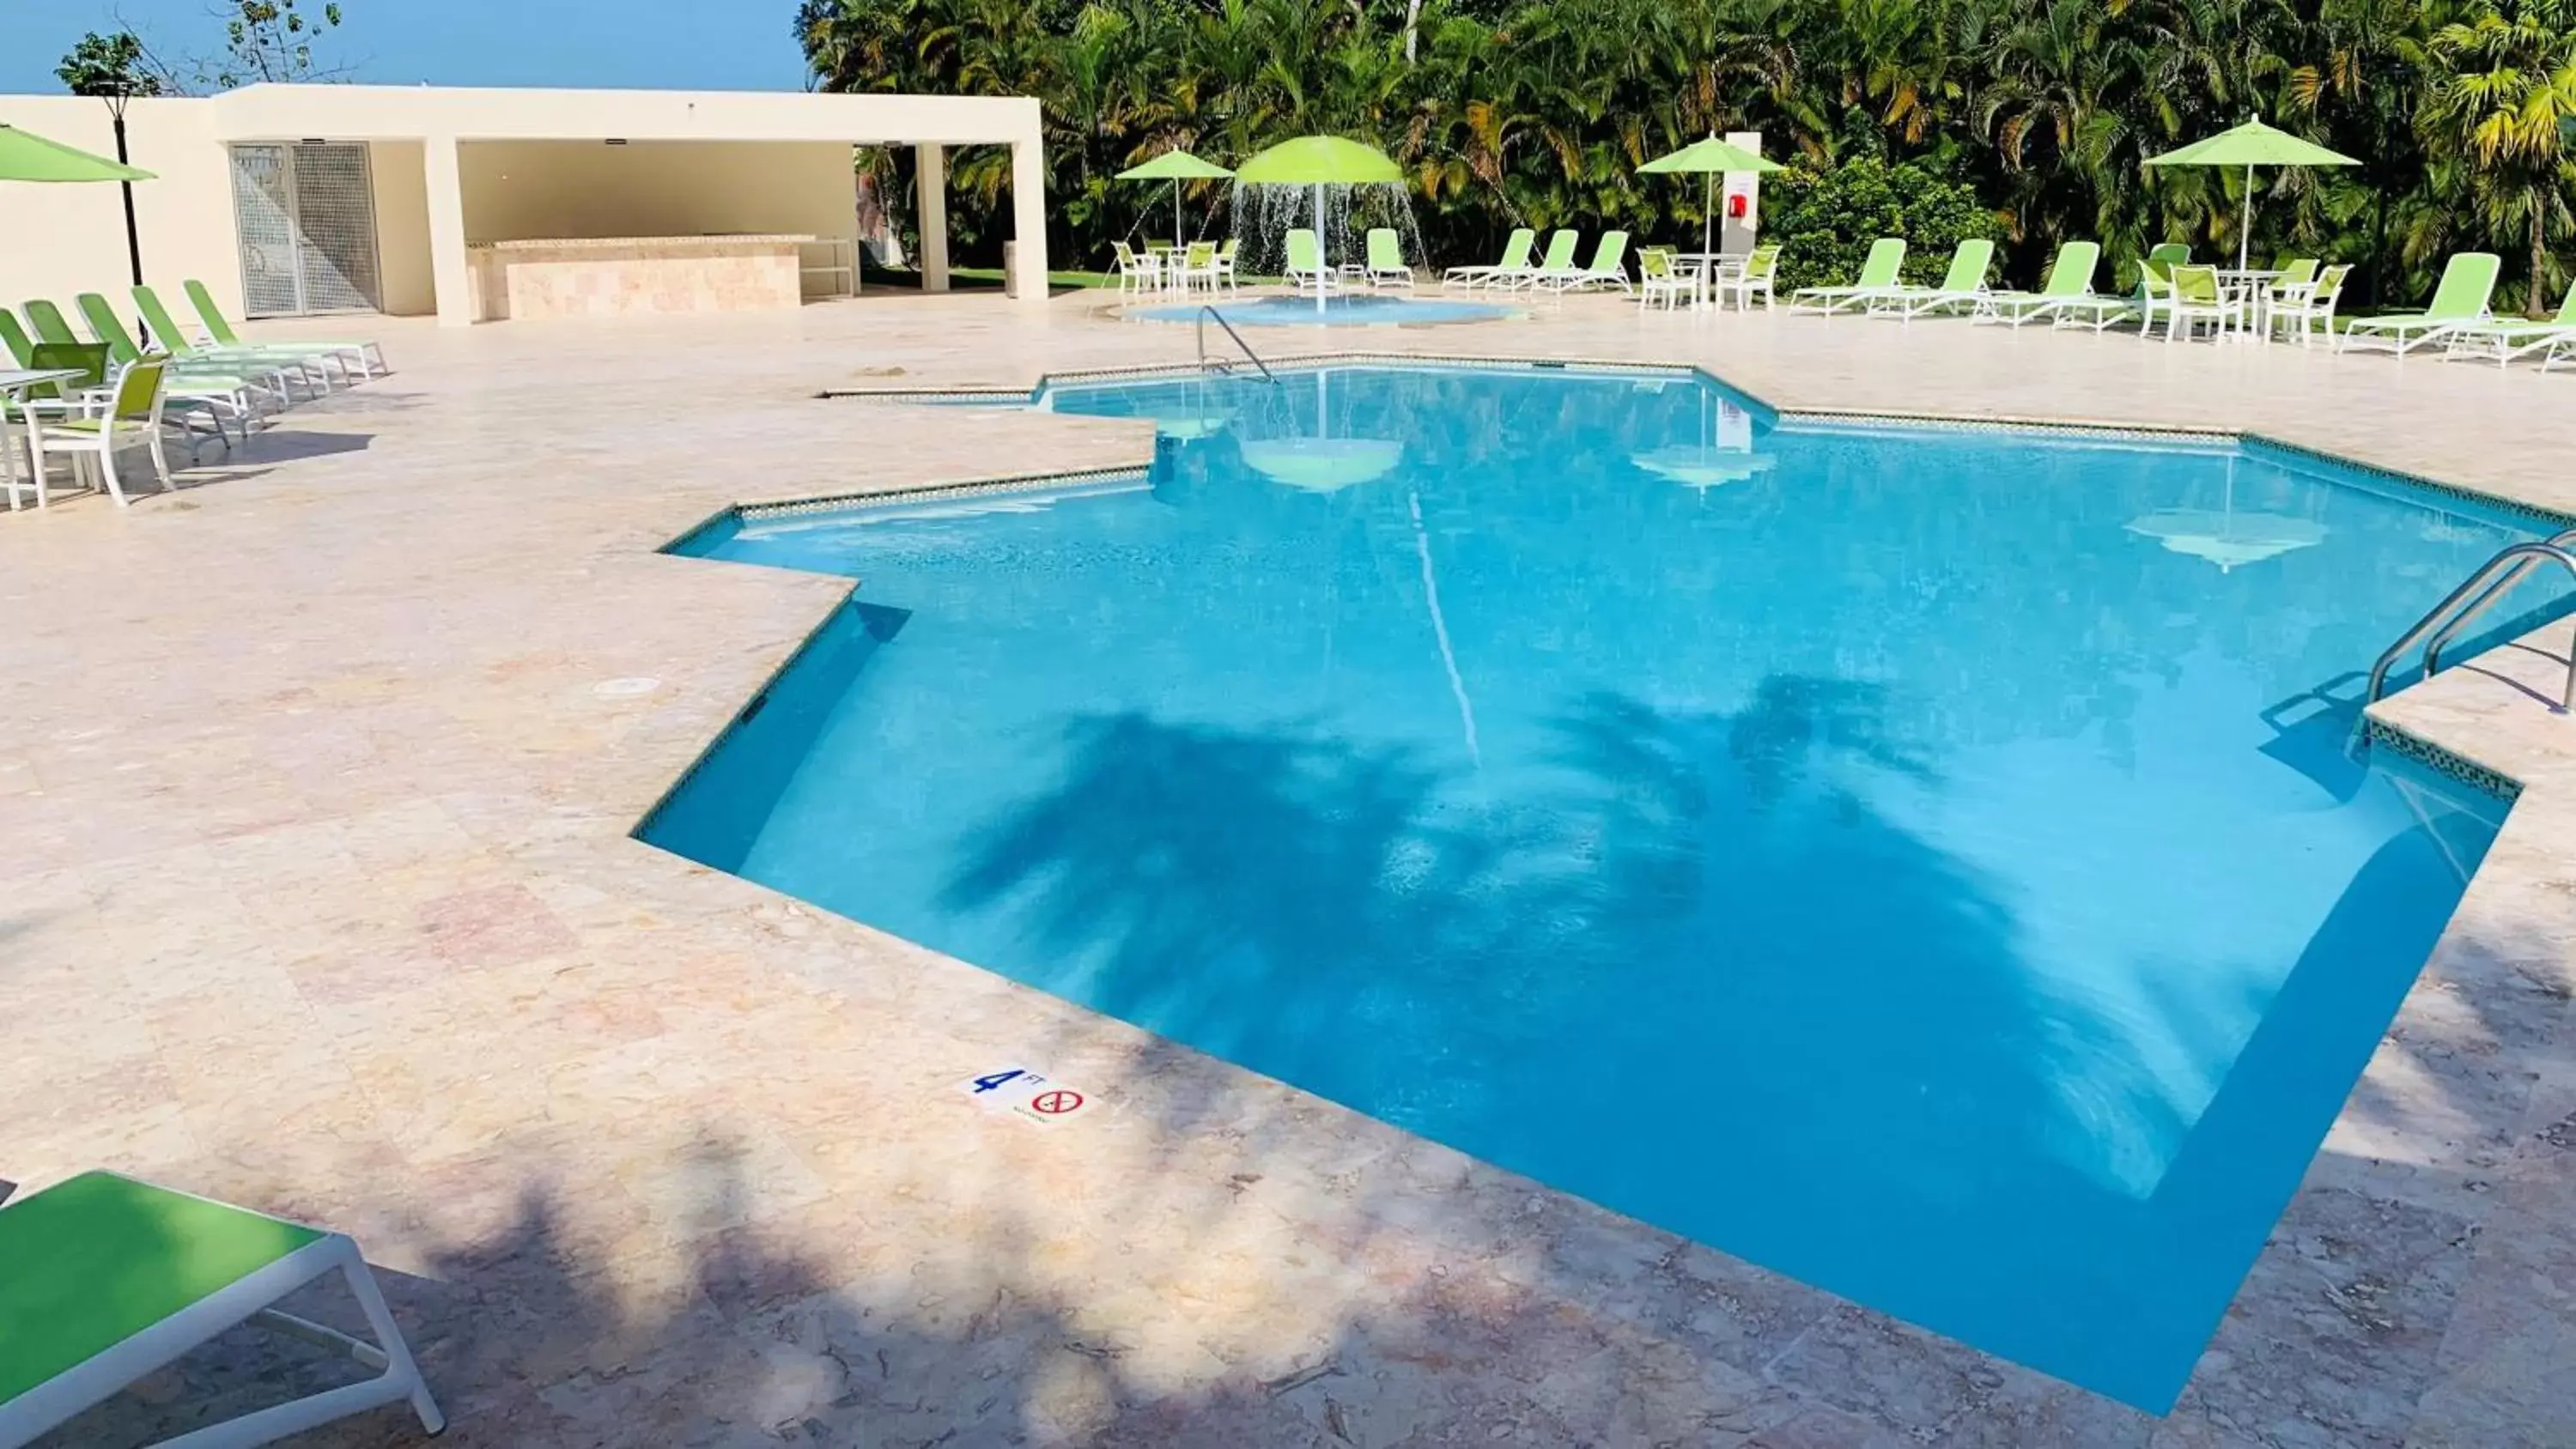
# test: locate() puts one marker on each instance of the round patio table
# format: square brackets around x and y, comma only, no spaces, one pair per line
[15,383]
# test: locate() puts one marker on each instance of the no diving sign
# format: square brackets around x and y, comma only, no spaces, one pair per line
[1026,1094]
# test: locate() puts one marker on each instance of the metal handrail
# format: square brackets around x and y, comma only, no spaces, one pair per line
[2464,604]
[1210,314]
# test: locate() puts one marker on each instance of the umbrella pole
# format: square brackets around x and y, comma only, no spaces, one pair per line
[1708,217]
[1176,212]
[1323,257]
[2245,232]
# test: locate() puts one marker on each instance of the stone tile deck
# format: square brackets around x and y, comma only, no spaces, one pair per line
[316,894]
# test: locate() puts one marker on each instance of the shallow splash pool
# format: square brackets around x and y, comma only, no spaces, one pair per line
[1363,310]
[1925,863]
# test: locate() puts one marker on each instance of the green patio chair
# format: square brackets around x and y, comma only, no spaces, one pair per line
[2198,297]
[1660,278]
[219,393]
[1609,268]
[200,374]
[369,357]
[2067,290]
[1960,287]
[2310,310]
[1305,263]
[2506,338]
[1514,261]
[1386,264]
[46,321]
[1559,257]
[1880,273]
[13,336]
[1761,269]
[2459,302]
[110,1278]
[286,364]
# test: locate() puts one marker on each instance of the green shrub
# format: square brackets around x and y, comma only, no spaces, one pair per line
[1825,220]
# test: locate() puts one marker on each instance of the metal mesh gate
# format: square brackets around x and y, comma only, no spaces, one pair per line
[307,221]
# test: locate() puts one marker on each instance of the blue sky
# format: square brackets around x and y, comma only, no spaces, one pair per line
[697,44]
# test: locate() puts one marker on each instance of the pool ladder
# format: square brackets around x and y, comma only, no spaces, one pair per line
[2493,580]
[1219,364]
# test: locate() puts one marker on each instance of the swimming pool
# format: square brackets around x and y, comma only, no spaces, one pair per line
[1340,310]
[1924,863]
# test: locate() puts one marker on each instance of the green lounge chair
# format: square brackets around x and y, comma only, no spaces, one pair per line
[109,328]
[1386,264]
[1559,258]
[369,357]
[1609,268]
[287,364]
[2506,338]
[110,1278]
[1962,286]
[2066,291]
[2460,302]
[1515,261]
[217,392]
[1305,260]
[1879,275]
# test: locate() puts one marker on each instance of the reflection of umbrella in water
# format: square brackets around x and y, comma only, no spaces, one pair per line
[1322,463]
[2226,537]
[1724,454]
[1702,466]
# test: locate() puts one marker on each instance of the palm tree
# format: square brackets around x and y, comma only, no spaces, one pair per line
[2503,99]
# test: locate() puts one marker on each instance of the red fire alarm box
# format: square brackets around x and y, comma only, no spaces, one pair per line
[1736,205]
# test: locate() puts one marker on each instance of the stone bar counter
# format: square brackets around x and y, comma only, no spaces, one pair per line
[621,276]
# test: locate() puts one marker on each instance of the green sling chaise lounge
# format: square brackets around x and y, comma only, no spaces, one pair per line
[104,1279]
[1880,275]
[2459,303]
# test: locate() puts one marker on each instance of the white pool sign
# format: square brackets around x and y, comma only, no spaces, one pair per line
[1025,1093]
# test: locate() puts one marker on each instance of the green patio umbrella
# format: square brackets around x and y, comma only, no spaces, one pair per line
[1708,158]
[26,156]
[2250,145]
[1320,161]
[1175,167]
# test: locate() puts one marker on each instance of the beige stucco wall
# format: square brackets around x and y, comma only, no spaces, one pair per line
[56,241]
[576,189]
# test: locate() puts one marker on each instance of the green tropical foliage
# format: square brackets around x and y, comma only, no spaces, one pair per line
[2037,112]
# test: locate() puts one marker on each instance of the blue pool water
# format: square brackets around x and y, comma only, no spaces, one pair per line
[1343,310]
[1923,863]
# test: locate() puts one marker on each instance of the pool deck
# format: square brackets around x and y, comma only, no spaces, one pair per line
[316,893]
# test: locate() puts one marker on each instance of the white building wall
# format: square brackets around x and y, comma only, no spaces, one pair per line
[56,241]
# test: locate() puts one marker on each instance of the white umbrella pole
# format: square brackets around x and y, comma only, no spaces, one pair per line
[1176,212]
[2245,233]
[1708,217]
[1323,258]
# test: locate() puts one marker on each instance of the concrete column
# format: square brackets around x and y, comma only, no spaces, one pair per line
[932,162]
[1740,233]
[450,281]
[1028,218]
